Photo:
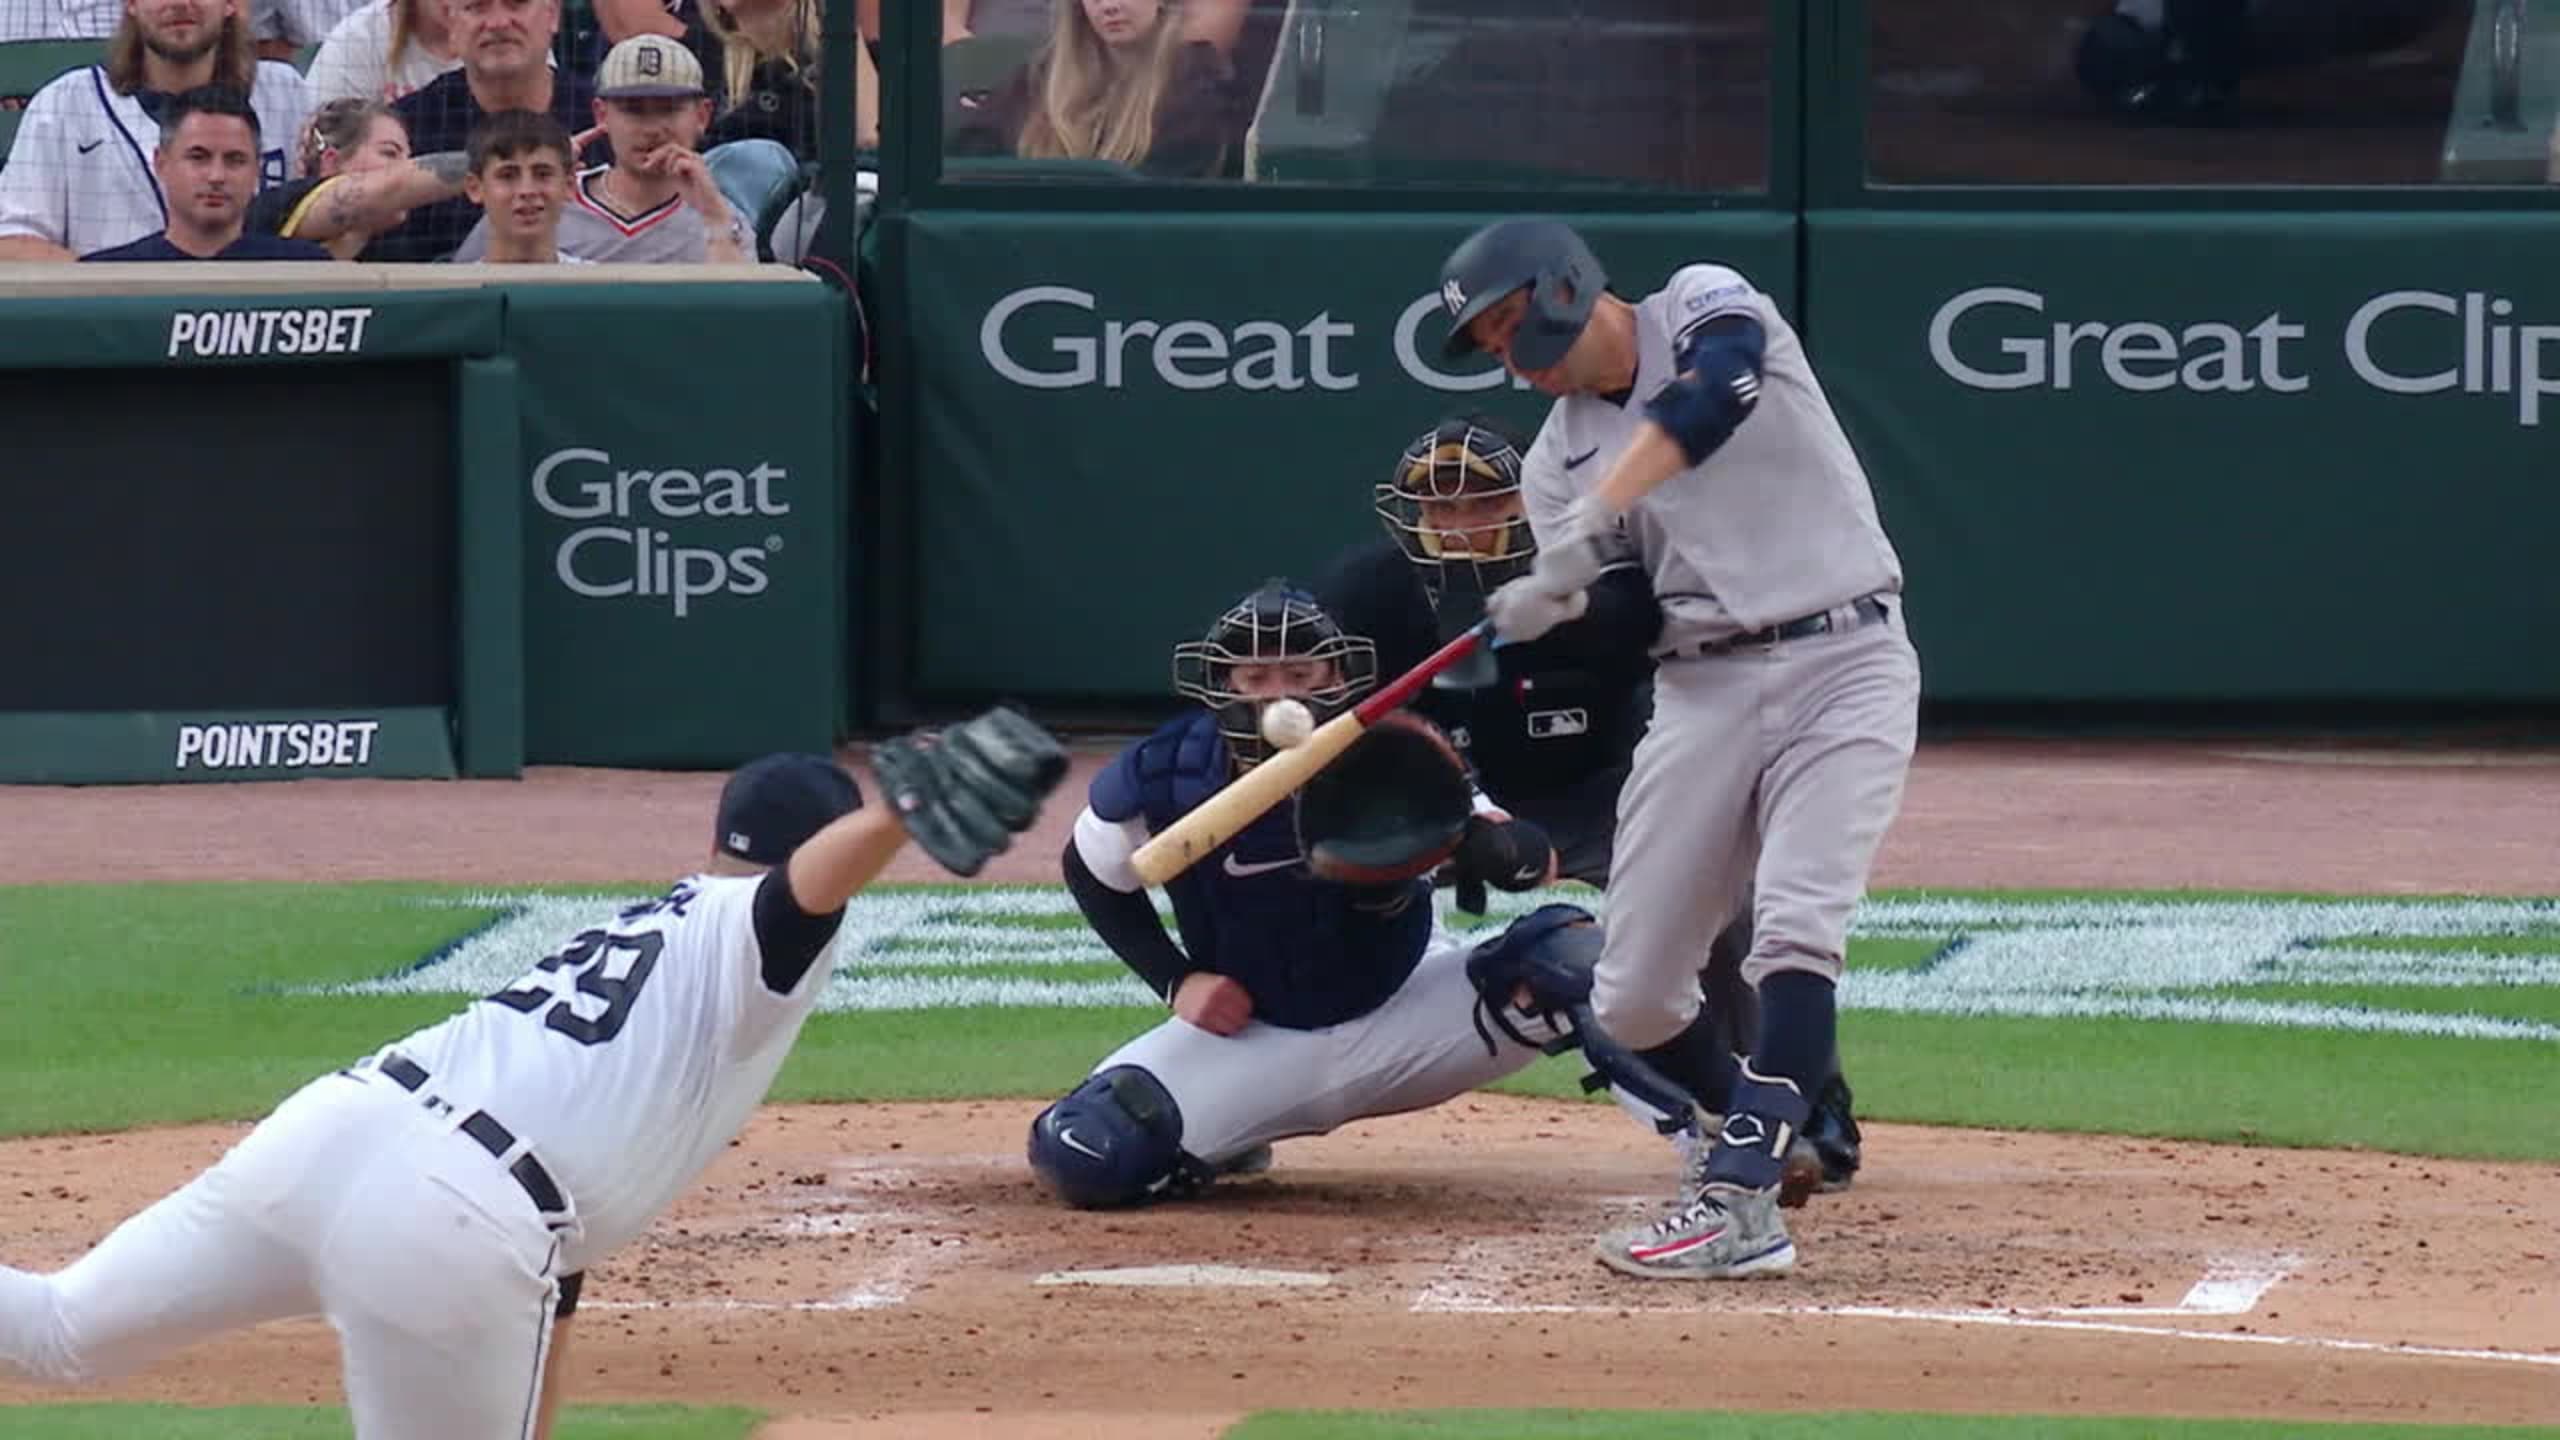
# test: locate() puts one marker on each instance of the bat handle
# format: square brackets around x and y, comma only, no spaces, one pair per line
[1409,684]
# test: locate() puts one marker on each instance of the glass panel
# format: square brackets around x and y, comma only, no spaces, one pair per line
[2209,92]
[1652,94]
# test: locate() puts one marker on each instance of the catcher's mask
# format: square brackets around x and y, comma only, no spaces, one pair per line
[1277,625]
[1454,506]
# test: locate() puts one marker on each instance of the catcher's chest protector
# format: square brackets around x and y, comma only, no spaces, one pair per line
[1312,953]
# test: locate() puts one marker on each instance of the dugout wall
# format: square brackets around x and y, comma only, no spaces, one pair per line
[306,520]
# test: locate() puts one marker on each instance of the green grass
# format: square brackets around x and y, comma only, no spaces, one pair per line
[283,1422]
[1715,1425]
[125,1006]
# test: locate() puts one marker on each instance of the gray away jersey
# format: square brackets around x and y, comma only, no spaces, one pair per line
[591,229]
[1777,523]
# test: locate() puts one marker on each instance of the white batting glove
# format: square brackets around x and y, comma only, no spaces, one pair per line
[1578,551]
[1524,609]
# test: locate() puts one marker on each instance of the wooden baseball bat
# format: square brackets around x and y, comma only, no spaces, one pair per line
[1251,795]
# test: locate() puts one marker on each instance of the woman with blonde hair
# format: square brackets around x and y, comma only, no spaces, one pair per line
[768,78]
[1126,81]
[384,50]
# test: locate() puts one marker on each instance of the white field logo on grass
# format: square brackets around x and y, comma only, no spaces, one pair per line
[2142,959]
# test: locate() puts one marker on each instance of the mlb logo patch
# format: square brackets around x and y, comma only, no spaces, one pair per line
[1558,724]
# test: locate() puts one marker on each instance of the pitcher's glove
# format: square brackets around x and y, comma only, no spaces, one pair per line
[1389,808]
[965,793]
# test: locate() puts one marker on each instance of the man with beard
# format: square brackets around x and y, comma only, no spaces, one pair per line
[208,167]
[80,176]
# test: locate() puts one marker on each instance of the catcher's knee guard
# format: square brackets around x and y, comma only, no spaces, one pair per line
[1549,953]
[1116,1139]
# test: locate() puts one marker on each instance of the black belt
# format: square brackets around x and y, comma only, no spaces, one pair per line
[1865,610]
[489,1135]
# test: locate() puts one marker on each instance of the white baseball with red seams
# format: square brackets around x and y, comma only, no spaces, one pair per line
[1287,723]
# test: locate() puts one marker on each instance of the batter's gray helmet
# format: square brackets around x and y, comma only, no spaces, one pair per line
[1545,257]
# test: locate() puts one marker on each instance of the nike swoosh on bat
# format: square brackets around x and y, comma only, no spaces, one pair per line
[1067,1137]
[1241,871]
[1576,461]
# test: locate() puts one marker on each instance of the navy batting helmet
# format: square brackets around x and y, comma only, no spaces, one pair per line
[1544,257]
[1277,624]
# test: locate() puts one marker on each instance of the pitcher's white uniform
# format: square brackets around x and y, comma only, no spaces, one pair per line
[79,172]
[1785,758]
[429,1200]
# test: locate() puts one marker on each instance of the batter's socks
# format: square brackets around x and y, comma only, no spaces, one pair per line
[1799,1028]
[1698,1062]
[1799,1023]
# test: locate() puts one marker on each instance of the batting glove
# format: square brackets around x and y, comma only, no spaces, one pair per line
[1579,550]
[1524,609]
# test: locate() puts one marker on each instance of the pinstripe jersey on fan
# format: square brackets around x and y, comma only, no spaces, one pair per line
[79,172]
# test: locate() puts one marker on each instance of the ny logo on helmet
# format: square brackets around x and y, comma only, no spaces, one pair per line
[1452,296]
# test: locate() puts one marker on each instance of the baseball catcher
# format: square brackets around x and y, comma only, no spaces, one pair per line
[1306,984]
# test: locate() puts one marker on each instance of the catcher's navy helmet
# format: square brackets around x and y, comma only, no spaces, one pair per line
[1275,624]
[1545,257]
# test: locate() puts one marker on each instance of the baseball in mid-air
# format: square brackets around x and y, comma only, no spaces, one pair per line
[1287,723]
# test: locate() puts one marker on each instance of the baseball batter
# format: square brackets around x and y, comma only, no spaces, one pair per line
[1688,431]
[1299,1004]
[1550,740]
[435,1199]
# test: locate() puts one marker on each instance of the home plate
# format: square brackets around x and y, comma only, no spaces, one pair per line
[1204,1277]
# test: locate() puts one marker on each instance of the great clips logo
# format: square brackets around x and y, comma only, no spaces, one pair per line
[668,537]
[1057,337]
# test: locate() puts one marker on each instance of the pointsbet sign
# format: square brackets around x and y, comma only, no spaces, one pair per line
[2399,342]
[661,535]
[276,744]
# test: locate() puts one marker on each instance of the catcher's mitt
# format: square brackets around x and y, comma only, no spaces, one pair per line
[1391,807]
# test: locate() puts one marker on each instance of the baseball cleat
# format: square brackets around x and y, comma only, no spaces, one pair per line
[1801,1175]
[1244,1164]
[1726,1233]
[1834,1133]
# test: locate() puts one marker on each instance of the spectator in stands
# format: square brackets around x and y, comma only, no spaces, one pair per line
[58,19]
[284,29]
[657,202]
[80,173]
[385,50]
[769,77]
[1122,81]
[360,181]
[1220,22]
[506,65]
[207,161]
[519,168]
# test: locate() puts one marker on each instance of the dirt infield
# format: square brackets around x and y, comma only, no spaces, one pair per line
[877,1271]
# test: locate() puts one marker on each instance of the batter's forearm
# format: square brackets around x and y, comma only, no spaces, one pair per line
[1654,458]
